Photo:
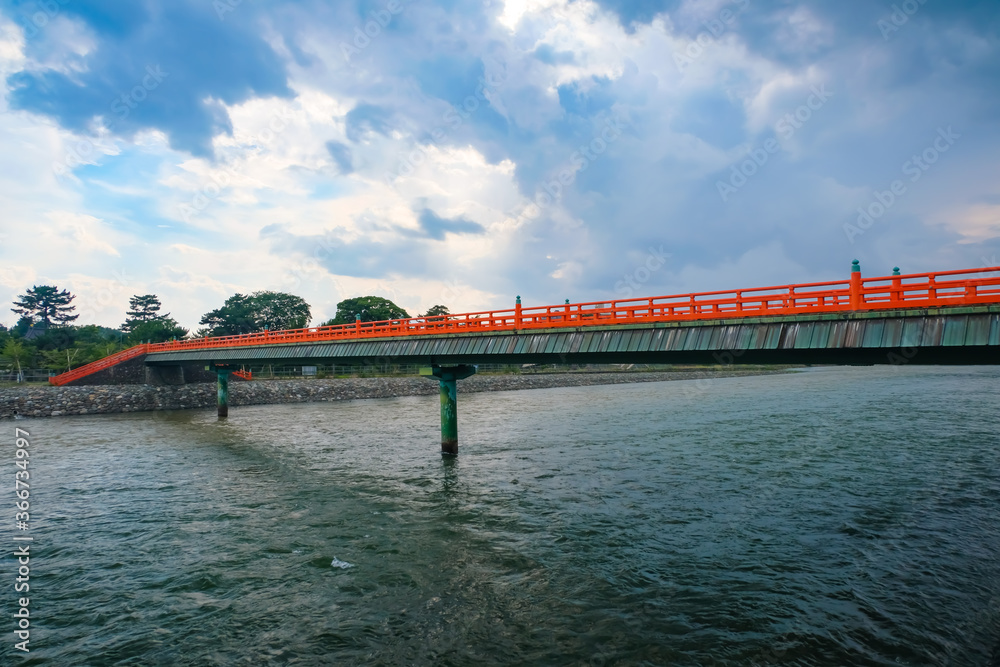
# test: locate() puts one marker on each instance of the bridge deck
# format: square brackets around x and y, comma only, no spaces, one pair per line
[933,312]
[966,335]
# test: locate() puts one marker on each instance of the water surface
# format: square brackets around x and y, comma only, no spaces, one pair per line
[830,517]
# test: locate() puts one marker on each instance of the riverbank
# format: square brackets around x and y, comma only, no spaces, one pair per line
[46,401]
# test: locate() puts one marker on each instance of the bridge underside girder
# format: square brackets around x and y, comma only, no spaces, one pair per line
[852,357]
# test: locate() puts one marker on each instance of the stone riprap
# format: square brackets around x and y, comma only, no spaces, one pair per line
[45,401]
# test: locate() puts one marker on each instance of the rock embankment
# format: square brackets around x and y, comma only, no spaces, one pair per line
[45,401]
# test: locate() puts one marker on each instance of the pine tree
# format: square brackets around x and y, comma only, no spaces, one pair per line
[46,305]
[145,308]
[157,331]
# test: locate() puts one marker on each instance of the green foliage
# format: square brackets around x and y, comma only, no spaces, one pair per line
[144,323]
[14,354]
[62,338]
[256,312]
[84,350]
[46,305]
[43,336]
[144,308]
[22,326]
[275,311]
[107,333]
[63,360]
[156,331]
[434,311]
[56,338]
[367,309]
[94,334]
[235,317]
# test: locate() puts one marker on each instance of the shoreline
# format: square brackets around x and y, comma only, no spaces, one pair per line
[47,401]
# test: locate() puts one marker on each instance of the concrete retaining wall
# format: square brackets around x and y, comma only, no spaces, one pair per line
[47,401]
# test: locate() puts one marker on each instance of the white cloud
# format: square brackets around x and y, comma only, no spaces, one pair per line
[63,46]
[976,223]
[768,264]
[567,66]
[75,233]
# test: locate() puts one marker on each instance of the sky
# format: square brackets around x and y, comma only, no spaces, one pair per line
[464,153]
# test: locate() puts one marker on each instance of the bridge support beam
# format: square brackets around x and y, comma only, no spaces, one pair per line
[448,376]
[223,391]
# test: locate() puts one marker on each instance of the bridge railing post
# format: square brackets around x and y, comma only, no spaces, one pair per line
[855,289]
[517,312]
[894,296]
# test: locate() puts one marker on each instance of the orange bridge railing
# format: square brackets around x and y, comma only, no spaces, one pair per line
[916,290]
[100,364]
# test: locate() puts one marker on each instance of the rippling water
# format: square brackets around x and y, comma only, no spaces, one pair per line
[829,517]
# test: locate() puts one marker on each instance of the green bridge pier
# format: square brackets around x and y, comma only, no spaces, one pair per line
[222,390]
[448,376]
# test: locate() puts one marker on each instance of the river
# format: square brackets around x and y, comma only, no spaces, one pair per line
[836,516]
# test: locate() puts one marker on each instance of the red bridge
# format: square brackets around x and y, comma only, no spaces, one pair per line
[930,318]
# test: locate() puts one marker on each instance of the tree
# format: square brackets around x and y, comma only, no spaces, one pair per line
[367,309]
[46,305]
[63,338]
[434,311]
[79,354]
[157,331]
[145,308]
[56,338]
[14,353]
[23,324]
[275,311]
[95,334]
[256,312]
[63,360]
[235,317]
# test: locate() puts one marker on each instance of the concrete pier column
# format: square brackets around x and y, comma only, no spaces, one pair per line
[223,392]
[448,377]
[449,416]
